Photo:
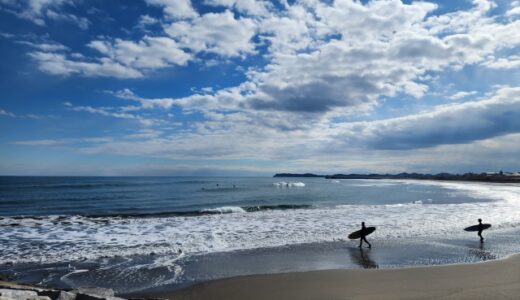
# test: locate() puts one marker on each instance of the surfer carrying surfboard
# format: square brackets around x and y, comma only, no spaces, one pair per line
[364,232]
[480,228]
[361,234]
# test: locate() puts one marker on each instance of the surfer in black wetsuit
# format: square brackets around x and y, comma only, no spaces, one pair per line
[363,236]
[480,228]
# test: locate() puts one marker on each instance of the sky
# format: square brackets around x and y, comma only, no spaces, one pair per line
[253,87]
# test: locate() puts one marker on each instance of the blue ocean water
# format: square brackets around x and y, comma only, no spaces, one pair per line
[97,196]
[140,233]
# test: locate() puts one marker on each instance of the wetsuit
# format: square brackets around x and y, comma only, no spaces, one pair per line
[363,237]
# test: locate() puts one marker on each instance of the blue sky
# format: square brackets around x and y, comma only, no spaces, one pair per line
[251,87]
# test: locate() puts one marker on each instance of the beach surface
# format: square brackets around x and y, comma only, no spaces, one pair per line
[498,279]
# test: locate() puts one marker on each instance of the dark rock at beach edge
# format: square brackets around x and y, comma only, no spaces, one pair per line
[11,290]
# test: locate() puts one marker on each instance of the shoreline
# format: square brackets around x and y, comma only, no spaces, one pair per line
[418,225]
[314,257]
[496,279]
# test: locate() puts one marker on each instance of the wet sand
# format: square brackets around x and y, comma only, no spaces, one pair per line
[498,279]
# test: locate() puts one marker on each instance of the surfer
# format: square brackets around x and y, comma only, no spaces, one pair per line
[363,236]
[480,228]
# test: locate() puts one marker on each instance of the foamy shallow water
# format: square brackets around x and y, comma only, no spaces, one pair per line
[54,239]
[157,242]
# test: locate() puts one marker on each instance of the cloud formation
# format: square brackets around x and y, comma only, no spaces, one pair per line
[112,112]
[62,64]
[443,125]
[338,57]
[164,103]
[218,33]
[175,8]
[463,123]
[313,79]
[462,94]
[40,11]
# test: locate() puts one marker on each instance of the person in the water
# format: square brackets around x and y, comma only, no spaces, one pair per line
[364,236]
[480,229]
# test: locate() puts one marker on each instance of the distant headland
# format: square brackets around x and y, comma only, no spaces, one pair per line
[487,176]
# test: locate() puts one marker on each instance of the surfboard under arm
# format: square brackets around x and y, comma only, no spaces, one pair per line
[357,234]
[475,227]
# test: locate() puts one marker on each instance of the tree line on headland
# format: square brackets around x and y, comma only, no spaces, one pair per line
[487,176]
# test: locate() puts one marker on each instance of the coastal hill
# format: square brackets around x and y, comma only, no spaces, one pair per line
[488,176]
[297,175]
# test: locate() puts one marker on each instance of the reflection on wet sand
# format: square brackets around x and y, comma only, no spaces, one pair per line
[479,251]
[362,258]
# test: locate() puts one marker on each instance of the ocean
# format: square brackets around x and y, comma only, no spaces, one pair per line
[135,234]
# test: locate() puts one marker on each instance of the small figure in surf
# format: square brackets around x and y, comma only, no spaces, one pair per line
[363,236]
[480,229]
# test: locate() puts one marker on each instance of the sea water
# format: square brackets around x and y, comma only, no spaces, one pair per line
[139,233]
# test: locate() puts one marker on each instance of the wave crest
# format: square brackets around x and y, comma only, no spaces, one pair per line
[224,210]
[283,184]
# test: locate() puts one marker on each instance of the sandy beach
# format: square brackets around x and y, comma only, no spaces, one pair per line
[498,279]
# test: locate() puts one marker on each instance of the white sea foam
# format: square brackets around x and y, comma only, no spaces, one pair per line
[225,209]
[54,239]
[283,184]
[492,191]
[427,201]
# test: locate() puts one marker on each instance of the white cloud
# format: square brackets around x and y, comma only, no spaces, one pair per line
[38,11]
[462,94]
[111,112]
[432,140]
[163,103]
[218,33]
[511,62]
[290,31]
[149,53]
[44,46]
[81,22]
[121,58]
[244,135]
[6,35]
[175,8]
[377,50]
[322,62]
[145,21]
[40,143]
[447,124]
[513,11]
[249,7]
[60,64]
[7,113]
[342,58]
[25,116]
[383,46]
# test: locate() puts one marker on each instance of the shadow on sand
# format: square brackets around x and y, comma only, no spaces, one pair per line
[362,258]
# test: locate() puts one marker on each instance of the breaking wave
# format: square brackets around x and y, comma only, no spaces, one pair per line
[283,184]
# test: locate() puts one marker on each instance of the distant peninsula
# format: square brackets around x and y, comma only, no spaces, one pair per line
[503,177]
[297,175]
